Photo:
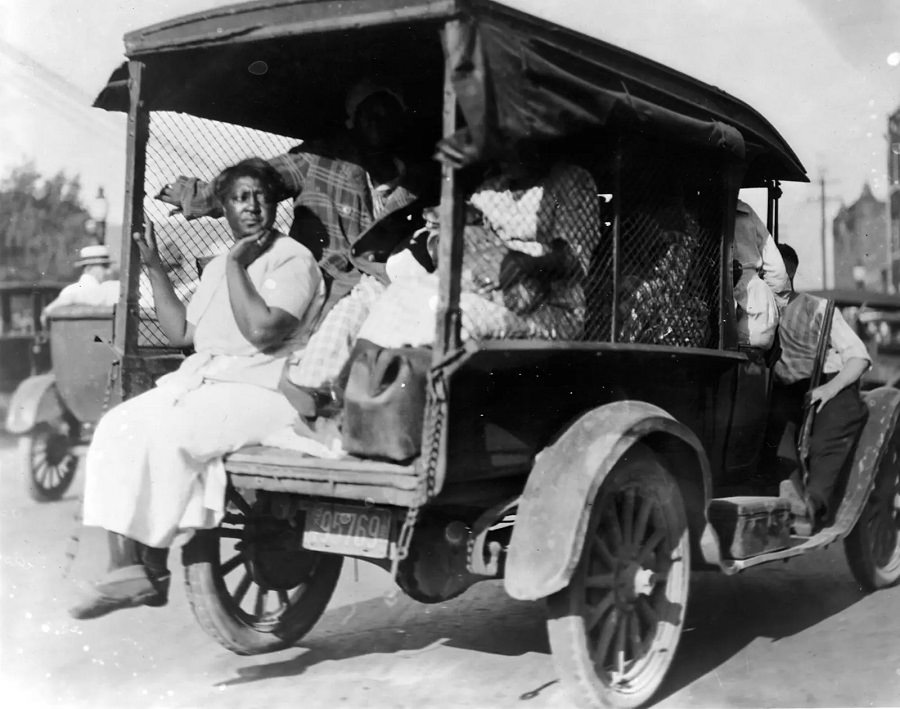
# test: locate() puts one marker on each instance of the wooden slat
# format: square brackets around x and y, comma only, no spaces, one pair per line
[279,457]
[375,491]
[279,470]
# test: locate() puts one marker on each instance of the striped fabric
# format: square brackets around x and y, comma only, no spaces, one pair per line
[332,203]
[320,362]
[799,328]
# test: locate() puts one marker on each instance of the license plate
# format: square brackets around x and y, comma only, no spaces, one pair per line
[342,529]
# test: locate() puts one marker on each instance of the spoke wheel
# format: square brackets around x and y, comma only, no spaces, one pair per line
[873,547]
[48,461]
[250,584]
[614,629]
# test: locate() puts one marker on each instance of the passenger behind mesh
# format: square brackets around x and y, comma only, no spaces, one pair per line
[666,306]
[525,256]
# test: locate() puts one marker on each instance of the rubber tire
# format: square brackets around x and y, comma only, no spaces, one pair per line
[859,545]
[214,610]
[565,625]
[39,436]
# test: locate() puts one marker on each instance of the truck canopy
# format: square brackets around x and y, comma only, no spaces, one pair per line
[517,77]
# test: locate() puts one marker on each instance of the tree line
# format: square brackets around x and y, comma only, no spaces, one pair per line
[42,225]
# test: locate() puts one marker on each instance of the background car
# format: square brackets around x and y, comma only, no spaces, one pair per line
[876,318]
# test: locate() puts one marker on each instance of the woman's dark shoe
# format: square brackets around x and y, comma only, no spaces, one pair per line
[126,587]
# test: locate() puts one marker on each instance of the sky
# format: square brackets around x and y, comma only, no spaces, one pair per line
[826,74]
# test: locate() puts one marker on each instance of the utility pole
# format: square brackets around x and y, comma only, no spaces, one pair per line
[822,199]
[824,244]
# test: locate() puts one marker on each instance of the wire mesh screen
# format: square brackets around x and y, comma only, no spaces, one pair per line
[668,257]
[539,256]
[194,147]
[528,250]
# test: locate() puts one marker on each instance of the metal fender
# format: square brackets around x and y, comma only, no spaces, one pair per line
[555,506]
[34,400]
[884,410]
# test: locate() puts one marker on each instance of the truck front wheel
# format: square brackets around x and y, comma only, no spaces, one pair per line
[873,546]
[615,627]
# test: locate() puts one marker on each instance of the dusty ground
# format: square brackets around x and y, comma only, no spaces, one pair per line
[798,634]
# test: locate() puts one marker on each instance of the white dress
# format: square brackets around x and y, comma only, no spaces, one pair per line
[155,464]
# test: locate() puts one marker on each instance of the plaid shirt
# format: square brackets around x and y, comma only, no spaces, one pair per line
[332,205]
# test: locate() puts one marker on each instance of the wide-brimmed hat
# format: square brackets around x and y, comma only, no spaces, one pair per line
[365,88]
[94,255]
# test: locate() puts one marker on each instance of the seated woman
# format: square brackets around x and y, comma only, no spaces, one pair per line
[523,266]
[155,466]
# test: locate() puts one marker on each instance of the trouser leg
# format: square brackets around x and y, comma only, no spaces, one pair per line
[785,407]
[122,551]
[155,560]
[832,441]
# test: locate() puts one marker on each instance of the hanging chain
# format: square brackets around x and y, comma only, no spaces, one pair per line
[435,421]
[111,380]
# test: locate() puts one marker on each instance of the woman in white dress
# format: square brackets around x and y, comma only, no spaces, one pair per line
[155,468]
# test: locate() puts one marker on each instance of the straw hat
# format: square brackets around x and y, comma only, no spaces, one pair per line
[94,255]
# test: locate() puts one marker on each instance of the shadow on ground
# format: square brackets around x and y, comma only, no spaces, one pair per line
[486,621]
[727,613]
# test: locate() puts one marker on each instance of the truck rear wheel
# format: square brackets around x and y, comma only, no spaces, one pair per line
[873,546]
[251,587]
[614,629]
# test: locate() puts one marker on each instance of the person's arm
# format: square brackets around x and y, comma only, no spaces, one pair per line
[555,264]
[774,272]
[170,312]
[575,230]
[855,361]
[191,197]
[67,296]
[195,198]
[267,319]
[576,222]
[852,370]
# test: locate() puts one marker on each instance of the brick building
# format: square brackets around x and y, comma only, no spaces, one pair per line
[861,244]
[894,195]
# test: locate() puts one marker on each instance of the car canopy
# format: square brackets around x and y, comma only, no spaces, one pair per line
[860,298]
[264,63]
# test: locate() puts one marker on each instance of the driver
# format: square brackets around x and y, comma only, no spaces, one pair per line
[840,412]
[94,287]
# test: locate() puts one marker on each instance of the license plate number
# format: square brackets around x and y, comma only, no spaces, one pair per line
[341,529]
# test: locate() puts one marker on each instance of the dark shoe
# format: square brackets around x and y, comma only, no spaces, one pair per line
[818,513]
[800,506]
[127,587]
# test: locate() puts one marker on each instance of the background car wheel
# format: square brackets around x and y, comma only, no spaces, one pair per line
[251,587]
[48,461]
[873,547]
[614,629]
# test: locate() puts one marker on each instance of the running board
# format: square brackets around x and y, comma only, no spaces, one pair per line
[883,412]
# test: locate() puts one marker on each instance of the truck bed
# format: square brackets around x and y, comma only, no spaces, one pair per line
[279,470]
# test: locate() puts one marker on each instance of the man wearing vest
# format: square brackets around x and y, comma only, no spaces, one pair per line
[840,412]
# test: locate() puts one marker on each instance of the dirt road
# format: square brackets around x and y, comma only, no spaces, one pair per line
[798,634]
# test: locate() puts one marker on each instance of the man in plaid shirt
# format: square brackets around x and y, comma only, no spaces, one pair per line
[343,188]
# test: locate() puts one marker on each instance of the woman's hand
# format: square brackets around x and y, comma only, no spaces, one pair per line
[246,250]
[146,242]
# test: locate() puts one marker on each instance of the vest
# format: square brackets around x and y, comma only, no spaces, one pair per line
[798,330]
